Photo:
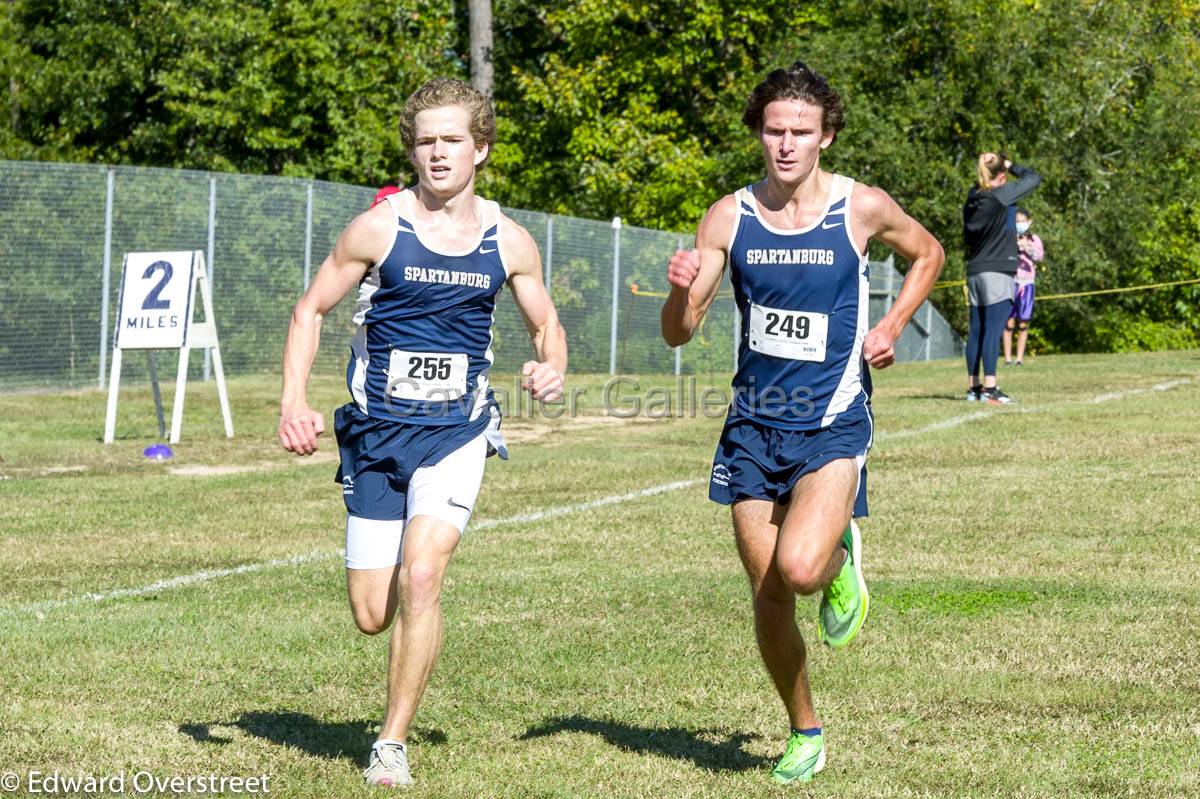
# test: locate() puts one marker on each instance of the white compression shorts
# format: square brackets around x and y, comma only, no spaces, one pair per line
[447,491]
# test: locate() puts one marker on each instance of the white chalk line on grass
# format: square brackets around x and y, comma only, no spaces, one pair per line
[297,560]
[1170,384]
[616,499]
[944,424]
[524,518]
[957,421]
[170,583]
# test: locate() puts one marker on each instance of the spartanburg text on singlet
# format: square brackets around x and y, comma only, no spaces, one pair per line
[802,300]
[422,343]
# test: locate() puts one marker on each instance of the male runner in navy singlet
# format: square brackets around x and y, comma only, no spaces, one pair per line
[428,263]
[792,457]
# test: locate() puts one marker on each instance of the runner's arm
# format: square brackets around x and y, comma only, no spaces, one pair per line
[353,254]
[878,214]
[695,275]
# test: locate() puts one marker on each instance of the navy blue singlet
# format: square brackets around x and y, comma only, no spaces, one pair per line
[802,300]
[422,347]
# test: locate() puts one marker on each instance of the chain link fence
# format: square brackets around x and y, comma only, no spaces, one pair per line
[64,229]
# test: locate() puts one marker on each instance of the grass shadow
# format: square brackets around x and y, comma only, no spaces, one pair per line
[350,740]
[723,754]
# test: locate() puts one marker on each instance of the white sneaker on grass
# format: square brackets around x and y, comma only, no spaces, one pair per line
[388,766]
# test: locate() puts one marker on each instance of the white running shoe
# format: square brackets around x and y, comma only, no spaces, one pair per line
[388,766]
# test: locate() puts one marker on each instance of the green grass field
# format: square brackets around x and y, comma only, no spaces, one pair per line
[1035,576]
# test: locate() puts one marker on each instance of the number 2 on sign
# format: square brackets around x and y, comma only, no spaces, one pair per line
[153,302]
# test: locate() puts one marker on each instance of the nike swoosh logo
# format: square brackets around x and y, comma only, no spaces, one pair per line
[484,252]
[827,226]
[454,504]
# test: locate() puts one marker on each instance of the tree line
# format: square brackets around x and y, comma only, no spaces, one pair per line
[631,109]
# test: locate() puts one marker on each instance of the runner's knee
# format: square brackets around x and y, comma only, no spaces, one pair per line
[1023,325]
[367,622]
[371,621]
[422,585]
[802,573]
[372,596]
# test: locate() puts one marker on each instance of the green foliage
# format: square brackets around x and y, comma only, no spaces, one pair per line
[632,109]
[293,88]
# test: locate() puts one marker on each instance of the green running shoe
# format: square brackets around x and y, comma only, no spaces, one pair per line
[803,758]
[845,602]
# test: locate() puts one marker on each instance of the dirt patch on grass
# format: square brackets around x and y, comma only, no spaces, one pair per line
[44,471]
[206,470]
[523,431]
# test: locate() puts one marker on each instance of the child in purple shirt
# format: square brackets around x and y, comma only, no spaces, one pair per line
[1030,252]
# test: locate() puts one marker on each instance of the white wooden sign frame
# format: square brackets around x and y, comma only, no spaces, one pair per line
[166,284]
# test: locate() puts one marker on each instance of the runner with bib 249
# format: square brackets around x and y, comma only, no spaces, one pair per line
[792,457]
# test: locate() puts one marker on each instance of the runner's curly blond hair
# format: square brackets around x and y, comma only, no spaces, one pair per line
[441,92]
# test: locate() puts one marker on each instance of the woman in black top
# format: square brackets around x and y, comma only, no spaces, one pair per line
[990,236]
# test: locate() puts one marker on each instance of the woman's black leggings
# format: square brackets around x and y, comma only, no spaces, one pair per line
[983,336]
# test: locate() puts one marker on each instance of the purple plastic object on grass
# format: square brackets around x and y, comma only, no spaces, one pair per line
[159,452]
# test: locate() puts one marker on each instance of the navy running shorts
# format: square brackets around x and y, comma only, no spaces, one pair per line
[754,461]
[379,457]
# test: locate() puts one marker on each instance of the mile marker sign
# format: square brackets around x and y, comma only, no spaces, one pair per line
[156,296]
[159,293]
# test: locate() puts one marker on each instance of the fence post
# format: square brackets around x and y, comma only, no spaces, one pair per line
[308,236]
[928,329]
[891,282]
[105,280]
[549,248]
[212,224]
[612,340]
